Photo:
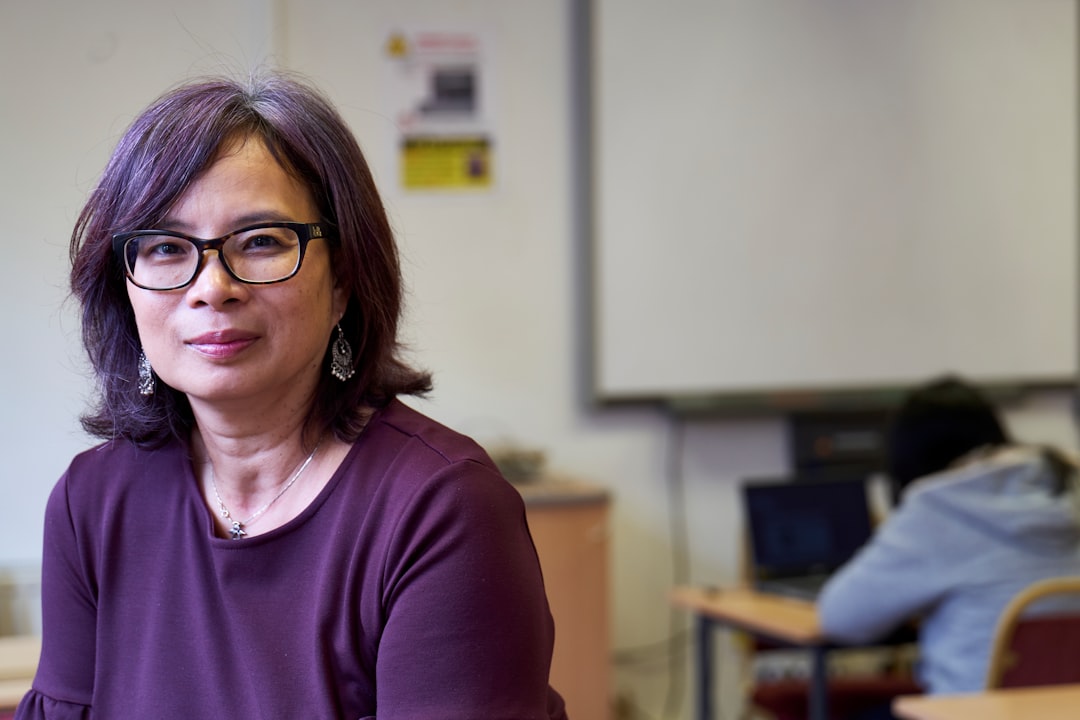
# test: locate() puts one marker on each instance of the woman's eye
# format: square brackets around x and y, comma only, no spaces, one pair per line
[262,241]
[162,249]
[265,241]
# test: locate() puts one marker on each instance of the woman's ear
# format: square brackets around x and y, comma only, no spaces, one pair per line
[339,306]
[340,300]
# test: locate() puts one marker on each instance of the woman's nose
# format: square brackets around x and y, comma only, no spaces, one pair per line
[213,285]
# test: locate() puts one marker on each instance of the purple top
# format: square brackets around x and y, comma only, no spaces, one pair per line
[409,588]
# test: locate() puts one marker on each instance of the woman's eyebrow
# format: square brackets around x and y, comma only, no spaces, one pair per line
[237,222]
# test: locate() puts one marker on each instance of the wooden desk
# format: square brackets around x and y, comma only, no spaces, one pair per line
[786,621]
[1059,702]
[18,662]
[11,693]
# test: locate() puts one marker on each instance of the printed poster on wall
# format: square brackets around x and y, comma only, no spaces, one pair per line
[439,82]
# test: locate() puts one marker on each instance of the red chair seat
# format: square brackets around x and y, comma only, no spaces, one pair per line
[1043,651]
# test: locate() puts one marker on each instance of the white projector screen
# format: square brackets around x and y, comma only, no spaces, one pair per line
[796,198]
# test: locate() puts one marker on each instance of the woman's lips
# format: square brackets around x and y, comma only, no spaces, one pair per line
[222,345]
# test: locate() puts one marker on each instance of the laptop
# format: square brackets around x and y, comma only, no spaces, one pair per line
[801,531]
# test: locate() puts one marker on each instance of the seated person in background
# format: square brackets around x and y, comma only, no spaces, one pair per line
[979,518]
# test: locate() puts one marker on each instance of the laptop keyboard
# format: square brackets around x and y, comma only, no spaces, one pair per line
[804,587]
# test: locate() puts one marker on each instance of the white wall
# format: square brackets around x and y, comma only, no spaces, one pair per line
[73,75]
[495,308]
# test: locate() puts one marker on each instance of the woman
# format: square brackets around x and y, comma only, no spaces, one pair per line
[267,531]
[981,518]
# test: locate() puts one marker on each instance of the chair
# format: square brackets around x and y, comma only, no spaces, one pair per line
[1038,646]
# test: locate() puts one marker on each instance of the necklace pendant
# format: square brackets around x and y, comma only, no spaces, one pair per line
[236,531]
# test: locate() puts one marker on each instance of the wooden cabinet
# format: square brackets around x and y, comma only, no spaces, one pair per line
[569,524]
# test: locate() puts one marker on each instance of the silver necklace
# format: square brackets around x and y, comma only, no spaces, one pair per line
[236,531]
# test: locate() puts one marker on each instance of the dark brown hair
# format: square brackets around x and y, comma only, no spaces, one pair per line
[163,151]
[938,423]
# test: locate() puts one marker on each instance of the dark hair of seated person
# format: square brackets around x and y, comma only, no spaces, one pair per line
[941,422]
[937,424]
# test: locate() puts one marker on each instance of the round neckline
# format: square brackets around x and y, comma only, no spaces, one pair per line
[209,529]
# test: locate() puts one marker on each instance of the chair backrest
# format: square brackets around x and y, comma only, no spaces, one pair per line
[1040,648]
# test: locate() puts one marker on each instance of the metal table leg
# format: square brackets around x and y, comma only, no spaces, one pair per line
[819,684]
[704,665]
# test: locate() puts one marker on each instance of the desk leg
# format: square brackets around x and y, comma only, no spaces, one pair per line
[704,665]
[819,685]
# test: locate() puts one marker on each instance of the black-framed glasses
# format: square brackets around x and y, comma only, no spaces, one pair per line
[258,254]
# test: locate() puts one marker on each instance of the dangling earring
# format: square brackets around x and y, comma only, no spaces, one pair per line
[147,384]
[341,359]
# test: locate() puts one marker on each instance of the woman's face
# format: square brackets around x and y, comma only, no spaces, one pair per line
[222,341]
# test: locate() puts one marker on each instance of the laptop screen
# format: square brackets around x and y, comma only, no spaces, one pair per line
[803,527]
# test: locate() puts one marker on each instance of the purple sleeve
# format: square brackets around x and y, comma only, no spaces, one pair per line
[468,625]
[63,686]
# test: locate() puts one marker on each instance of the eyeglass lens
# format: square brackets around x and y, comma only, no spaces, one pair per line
[160,261]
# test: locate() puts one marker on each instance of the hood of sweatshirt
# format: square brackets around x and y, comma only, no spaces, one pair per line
[1008,495]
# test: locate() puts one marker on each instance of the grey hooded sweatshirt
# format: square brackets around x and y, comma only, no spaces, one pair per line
[960,545]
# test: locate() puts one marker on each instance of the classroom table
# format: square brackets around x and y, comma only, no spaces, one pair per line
[12,692]
[786,621]
[1058,702]
[18,662]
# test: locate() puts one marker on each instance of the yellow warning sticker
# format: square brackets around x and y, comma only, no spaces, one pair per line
[434,163]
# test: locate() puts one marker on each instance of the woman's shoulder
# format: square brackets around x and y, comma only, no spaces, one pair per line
[414,460]
[399,424]
[118,454]
[1010,494]
[985,470]
[108,470]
